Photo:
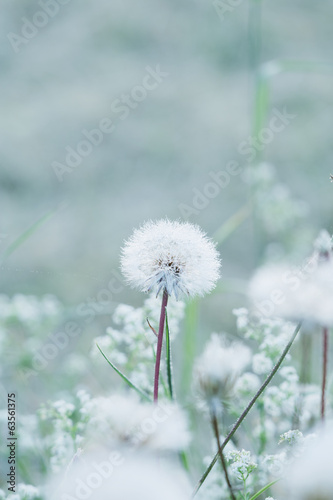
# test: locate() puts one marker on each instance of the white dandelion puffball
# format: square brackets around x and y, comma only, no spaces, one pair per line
[217,369]
[172,256]
[295,294]
[310,477]
[108,474]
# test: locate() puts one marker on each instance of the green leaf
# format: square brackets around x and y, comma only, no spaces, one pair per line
[25,235]
[168,356]
[256,495]
[127,380]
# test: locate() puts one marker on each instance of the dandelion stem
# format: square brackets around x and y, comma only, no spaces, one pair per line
[160,343]
[248,408]
[325,356]
[220,452]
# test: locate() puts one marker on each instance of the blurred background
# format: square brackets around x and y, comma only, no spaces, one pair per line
[186,85]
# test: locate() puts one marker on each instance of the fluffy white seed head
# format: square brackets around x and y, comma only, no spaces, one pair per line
[310,477]
[128,422]
[296,294]
[172,256]
[104,474]
[217,370]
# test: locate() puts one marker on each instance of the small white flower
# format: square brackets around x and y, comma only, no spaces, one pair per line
[216,371]
[172,256]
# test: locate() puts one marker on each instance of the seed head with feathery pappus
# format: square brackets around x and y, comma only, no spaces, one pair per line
[171,256]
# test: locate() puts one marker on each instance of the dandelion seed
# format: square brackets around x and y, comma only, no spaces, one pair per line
[172,256]
[216,371]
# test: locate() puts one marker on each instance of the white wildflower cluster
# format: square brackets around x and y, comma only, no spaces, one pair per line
[271,335]
[125,421]
[241,464]
[285,403]
[130,342]
[23,492]
[28,309]
[217,369]
[25,320]
[64,425]
[172,256]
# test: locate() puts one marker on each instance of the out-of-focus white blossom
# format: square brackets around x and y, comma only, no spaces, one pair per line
[217,369]
[279,291]
[106,474]
[126,421]
[310,477]
[323,243]
[172,256]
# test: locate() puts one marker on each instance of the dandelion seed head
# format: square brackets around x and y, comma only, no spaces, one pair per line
[217,370]
[172,256]
[102,474]
[295,294]
[310,477]
[128,422]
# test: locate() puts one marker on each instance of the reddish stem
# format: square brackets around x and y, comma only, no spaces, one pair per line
[159,343]
[325,358]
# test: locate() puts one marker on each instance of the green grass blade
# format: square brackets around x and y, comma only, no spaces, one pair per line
[25,235]
[256,495]
[168,356]
[127,380]
[230,225]
[189,344]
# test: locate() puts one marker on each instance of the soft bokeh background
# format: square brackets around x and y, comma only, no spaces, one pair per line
[66,78]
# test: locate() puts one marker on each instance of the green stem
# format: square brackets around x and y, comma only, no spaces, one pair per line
[220,452]
[248,408]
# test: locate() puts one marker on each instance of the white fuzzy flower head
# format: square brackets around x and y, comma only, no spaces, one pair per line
[304,293]
[310,477]
[217,370]
[104,474]
[132,424]
[172,256]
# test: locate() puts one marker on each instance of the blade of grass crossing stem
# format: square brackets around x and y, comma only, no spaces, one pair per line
[25,235]
[168,356]
[256,495]
[127,380]
[249,406]
[231,224]
[189,345]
